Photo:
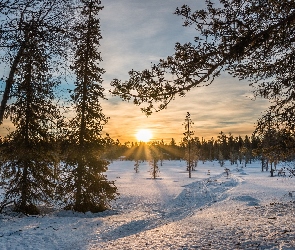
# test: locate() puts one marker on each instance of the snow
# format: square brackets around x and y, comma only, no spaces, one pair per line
[246,210]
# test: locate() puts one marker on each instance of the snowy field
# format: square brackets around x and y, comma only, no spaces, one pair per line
[246,210]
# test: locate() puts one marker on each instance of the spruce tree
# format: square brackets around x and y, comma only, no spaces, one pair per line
[155,157]
[221,159]
[188,144]
[19,20]
[85,187]
[27,157]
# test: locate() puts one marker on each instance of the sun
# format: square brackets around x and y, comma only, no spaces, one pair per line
[144,135]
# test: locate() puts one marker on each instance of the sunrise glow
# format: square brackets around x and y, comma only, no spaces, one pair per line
[144,135]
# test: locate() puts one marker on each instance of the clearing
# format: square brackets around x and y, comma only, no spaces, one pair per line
[245,210]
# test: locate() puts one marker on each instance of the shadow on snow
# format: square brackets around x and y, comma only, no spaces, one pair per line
[194,196]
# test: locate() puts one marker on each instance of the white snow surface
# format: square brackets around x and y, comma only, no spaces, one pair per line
[246,210]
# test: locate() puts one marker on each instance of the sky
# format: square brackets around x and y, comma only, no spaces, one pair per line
[137,34]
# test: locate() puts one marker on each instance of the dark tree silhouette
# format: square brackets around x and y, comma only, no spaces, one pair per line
[187,143]
[22,20]
[155,156]
[250,39]
[85,187]
[27,158]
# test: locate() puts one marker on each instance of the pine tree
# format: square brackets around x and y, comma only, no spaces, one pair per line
[221,159]
[155,157]
[187,141]
[136,166]
[28,158]
[240,146]
[85,187]
[173,150]
[20,19]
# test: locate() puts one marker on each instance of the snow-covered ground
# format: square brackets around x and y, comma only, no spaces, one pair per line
[246,210]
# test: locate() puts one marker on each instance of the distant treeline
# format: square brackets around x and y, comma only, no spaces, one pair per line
[272,147]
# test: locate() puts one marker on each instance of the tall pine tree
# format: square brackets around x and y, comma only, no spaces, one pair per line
[85,187]
[27,158]
[187,142]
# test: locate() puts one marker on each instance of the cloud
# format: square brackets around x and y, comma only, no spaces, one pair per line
[138,33]
[222,106]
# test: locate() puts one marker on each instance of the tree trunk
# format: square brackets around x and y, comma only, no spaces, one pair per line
[28,88]
[9,81]
[79,187]
[24,187]
[271,170]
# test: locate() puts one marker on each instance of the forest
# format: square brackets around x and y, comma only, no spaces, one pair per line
[268,150]
[43,43]
[56,152]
